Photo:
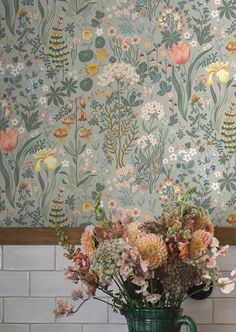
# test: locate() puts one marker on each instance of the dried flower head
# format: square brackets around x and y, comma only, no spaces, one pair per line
[152,249]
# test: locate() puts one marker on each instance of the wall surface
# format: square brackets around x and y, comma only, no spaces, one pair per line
[32,280]
[157,114]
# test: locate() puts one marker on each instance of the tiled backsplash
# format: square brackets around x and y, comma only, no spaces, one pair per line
[31,281]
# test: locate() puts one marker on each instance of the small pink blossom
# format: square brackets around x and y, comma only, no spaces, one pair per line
[125,47]
[226,285]
[148,44]
[127,40]
[135,40]
[125,270]
[112,204]
[233,274]
[120,37]
[211,262]
[77,294]
[153,298]
[136,212]
[111,31]
[63,308]
[215,242]
[223,251]
[76,41]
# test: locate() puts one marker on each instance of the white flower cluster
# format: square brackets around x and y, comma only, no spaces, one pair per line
[2,70]
[15,68]
[152,108]
[116,72]
[188,155]
[145,140]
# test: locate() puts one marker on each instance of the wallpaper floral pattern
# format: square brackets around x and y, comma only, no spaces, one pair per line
[133,99]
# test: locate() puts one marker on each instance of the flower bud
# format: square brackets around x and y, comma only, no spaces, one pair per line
[82,102]
[70,107]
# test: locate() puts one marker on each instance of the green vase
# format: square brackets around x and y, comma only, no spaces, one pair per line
[157,320]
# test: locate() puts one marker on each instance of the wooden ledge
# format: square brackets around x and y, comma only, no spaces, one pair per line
[36,236]
[47,235]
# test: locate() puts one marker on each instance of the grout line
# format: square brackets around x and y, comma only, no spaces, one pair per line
[213,311]
[55,258]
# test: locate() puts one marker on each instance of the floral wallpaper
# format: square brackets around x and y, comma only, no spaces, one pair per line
[131,99]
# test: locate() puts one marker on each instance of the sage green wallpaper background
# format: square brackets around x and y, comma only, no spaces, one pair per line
[134,99]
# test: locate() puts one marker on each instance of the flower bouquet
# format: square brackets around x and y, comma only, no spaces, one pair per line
[152,264]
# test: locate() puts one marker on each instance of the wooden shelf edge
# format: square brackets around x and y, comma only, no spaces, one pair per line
[36,236]
[47,235]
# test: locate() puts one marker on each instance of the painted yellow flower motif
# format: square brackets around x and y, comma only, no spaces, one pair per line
[102,55]
[220,70]
[87,207]
[92,69]
[46,156]
[87,34]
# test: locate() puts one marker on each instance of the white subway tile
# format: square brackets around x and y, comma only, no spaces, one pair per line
[93,311]
[29,310]
[1,310]
[115,318]
[228,263]
[224,312]
[0,257]
[14,328]
[105,328]
[61,261]
[28,257]
[50,284]
[216,328]
[56,328]
[200,311]
[14,283]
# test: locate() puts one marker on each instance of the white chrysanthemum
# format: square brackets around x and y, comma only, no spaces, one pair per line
[118,71]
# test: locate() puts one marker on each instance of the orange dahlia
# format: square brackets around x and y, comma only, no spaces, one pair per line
[152,249]
[87,241]
[204,223]
[199,243]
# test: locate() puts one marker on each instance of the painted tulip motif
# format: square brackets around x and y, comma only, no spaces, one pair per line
[92,69]
[8,139]
[46,156]
[220,70]
[180,53]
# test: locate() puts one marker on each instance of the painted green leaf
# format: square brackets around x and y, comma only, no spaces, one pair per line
[86,55]
[180,93]
[86,84]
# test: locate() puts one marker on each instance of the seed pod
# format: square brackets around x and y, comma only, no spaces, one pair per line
[70,107]
[82,102]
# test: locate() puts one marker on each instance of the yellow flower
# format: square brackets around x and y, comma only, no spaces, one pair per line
[87,34]
[218,69]
[101,54]
[92,69]
[152,249]
[46,156]
[87,207]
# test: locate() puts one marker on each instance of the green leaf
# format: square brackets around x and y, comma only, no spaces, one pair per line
[20,157]
[193,69]
[31,120]
[9,186]
[10,14]
[180,93]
